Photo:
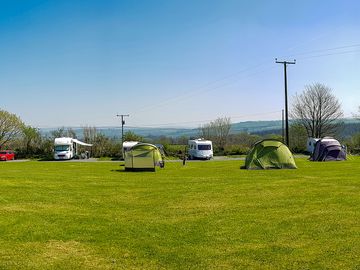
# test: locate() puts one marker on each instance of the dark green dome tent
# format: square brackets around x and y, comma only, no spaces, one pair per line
[270,154]
[143,157]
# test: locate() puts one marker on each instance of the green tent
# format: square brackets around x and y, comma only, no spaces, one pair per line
[270,154]
[143,157]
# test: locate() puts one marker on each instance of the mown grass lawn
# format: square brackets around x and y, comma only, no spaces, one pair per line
[206,215]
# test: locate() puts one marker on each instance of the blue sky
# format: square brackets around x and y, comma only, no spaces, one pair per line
[169,62]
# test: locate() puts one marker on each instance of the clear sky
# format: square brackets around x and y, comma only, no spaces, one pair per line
[178,62]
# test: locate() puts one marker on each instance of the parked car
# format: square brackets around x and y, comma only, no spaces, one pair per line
[7,155]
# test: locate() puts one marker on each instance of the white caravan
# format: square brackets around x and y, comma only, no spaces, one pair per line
[311,144]
[67,148]
[200,149]
[127,146]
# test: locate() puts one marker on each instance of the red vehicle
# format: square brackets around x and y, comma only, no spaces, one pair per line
[7,155]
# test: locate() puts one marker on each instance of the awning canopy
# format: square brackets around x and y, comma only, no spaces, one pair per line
[81,143]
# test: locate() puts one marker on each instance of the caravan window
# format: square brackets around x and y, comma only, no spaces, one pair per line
[62,148]
[204,147]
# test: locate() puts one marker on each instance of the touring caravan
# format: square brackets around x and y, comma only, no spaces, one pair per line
[126,146]
[67,148]
[311,144]
[200,149]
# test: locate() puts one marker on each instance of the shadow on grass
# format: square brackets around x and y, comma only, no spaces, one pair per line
[118,171]
[46,159]
[117,159]
[133,171]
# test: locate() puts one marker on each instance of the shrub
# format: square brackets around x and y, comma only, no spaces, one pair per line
[175,150]
[236,150]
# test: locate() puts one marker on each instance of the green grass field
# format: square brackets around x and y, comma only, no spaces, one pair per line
[206,215]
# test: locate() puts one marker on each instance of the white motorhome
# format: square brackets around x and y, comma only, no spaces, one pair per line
[200,149]
[67,148]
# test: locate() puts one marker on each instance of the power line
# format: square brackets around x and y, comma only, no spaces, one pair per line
[204,89]
[211,86]
[323,50]
[203,121]
[329,54]
[207,87]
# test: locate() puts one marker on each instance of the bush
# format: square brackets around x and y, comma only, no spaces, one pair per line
[236,150]
[353,144]
[174,150]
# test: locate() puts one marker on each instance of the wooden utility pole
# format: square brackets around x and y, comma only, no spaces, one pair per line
[282,126]
[122,127]
[285,63]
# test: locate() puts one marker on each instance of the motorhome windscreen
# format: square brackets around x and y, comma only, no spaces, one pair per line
[204,147]
[59,148]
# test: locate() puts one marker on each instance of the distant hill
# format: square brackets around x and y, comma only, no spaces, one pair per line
[115,132]
[351,126]
[256,126]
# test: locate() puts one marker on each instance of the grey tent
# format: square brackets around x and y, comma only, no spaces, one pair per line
[328,149]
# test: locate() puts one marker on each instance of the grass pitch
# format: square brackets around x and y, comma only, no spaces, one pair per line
[205,215]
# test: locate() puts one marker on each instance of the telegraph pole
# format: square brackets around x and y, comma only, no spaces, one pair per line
[285,63]
[122,126]
[282,125]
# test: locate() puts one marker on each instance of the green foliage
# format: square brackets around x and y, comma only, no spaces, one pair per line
[173,150]
[238,144]
[217,131]
[353,144]
[182,140]
[244,139]
[165,140]
[31,138]
[236,150]
[105,147]
[205,215]
[131,136]
[11,126]
[274,136]
[63,132]
[318,111]
[298,138]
